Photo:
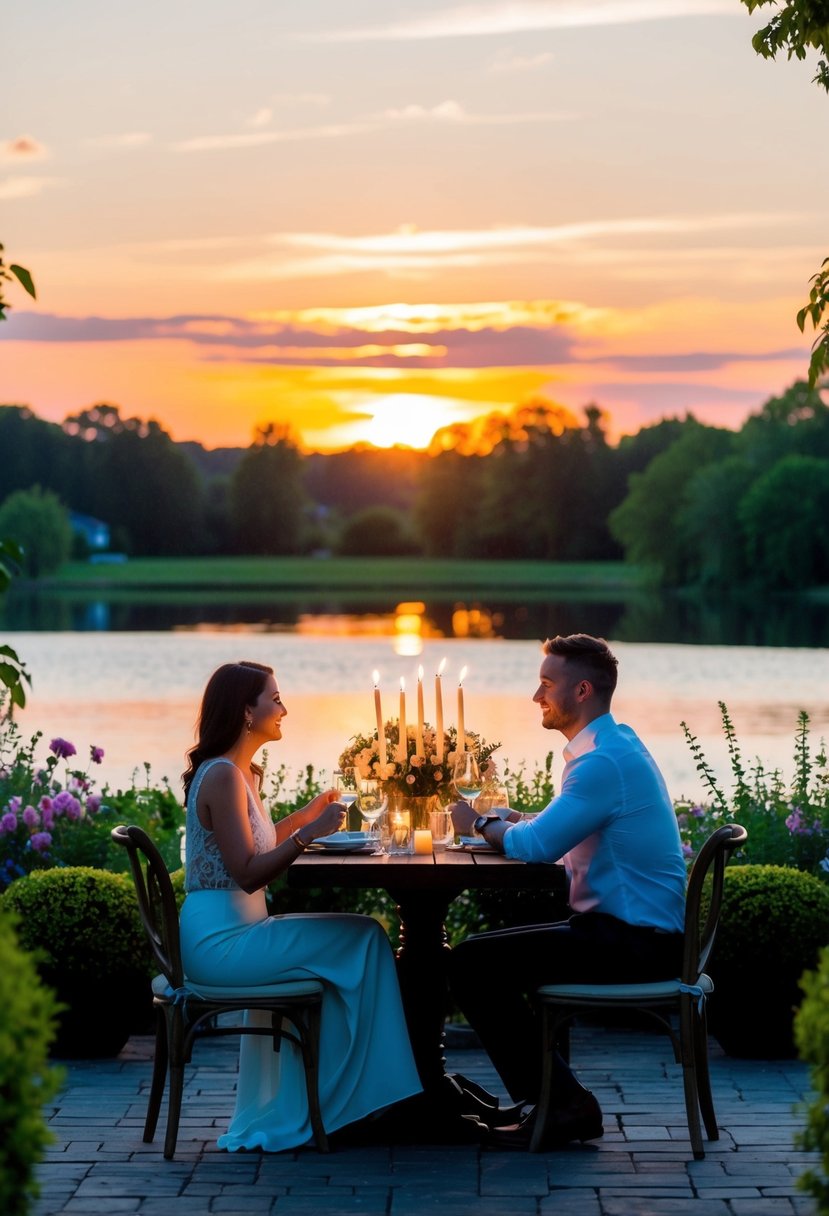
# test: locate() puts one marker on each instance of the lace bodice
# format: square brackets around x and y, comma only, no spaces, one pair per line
[204,868]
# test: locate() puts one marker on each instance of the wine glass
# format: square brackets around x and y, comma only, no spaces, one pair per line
[348,789]
[373,801]
[467,777]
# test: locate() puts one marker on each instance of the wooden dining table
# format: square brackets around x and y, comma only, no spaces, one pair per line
[422,887]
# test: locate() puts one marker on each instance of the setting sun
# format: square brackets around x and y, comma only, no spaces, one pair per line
[410,419]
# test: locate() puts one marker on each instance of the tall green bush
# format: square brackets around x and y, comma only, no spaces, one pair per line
[812,1037]
[92,950]
[26,1080]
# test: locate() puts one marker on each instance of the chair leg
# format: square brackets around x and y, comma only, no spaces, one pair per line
[160,1058]
[176,1036]
[706,1098]
[310,1037]
[689,1075]
[549,1033]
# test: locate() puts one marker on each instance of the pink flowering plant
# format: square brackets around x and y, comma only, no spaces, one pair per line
[53,814]
[417,776]
[787,821]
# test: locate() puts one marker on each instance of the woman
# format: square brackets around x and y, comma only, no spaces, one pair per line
[233,851]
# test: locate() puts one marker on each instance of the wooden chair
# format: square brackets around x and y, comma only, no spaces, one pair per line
[187,1012]
[685,996]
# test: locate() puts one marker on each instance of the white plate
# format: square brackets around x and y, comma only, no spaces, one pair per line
[341,839]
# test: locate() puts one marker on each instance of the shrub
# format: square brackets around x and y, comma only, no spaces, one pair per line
[92,950]
[39,523]
[773,924]
[26,1081]
[787,822]
[812,1037]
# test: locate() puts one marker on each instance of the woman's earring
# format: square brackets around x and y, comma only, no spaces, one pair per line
[248,725]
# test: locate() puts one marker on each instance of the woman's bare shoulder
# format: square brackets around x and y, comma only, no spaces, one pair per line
[222,778]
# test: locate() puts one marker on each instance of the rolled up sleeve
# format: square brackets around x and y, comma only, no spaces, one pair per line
[590,796]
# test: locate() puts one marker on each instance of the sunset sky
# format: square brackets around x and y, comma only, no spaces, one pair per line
[371,219]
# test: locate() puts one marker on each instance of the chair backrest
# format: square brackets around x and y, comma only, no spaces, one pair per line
[709,864]
[156,900]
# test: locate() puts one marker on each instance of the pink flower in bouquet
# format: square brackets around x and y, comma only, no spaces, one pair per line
[96,754]
[62,748]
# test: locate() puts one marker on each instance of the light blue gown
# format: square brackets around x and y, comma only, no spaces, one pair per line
[228,938]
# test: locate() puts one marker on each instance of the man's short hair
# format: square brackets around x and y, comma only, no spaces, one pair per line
[591,656]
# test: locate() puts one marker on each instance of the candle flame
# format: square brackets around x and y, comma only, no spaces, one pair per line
[375,675]
[402,684]
[462,676]
[441,667]
[420,674]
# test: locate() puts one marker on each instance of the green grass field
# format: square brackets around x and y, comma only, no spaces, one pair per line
[272,574]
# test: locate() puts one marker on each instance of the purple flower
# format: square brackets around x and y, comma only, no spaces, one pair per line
[31,817]
[48,817]
[9,822]
[64,804]
[62,748]
[93,804]
[97,754]
[40,841]
[15,803]
[698,812]
[687,851]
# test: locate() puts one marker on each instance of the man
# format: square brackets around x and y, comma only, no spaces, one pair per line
[614,828]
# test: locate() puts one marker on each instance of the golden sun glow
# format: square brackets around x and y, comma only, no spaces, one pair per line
[410,419]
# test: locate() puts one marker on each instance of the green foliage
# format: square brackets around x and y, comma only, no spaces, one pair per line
[787,822]
[83,922]
[377,532]
[797,27]
[771,915]
[785,516]
[812,1036]
[26,1080]
[13,672]
[815,311]
[39,524]
[51,814]
[652,521]
[267,497]
[9,274]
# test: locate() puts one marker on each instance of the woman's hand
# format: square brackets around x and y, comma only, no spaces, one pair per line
[330,819]
[318,804]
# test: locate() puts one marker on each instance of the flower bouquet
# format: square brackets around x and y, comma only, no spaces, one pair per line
[415,776]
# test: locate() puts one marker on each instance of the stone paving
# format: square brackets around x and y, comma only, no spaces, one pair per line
[99,1165]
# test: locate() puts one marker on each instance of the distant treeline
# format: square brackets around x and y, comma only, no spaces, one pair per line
[696,505]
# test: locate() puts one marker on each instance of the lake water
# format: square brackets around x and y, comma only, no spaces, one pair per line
[136,694]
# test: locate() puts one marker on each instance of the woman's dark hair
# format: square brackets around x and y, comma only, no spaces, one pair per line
[230,690]
[591,657]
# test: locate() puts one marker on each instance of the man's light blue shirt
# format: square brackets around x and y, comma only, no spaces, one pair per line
[614,828]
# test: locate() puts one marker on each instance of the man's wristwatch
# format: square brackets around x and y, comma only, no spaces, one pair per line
[479,826]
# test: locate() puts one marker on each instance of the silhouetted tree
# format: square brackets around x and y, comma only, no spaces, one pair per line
[267,498]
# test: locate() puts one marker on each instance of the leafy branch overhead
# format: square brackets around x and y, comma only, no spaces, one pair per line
[8,274]
[796,28]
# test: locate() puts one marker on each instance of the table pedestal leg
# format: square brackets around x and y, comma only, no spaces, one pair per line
[422,972]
